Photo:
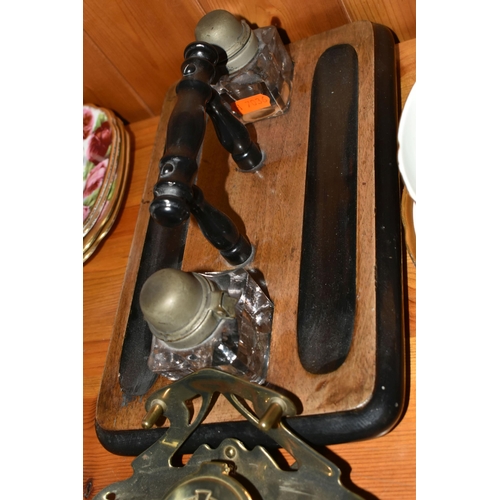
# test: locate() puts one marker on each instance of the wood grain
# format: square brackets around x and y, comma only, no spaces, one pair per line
[399,16]
[135,49]
[382,468]
[109,89]
[407,61]
[144,43]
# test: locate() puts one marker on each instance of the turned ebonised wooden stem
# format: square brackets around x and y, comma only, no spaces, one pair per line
[175,196]
[219,230]
[234,136]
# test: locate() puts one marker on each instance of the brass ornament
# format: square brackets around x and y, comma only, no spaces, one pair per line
[231,471]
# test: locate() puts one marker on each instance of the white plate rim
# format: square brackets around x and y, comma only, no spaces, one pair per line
[408,112]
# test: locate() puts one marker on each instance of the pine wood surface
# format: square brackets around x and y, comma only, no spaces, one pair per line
[381,468]
[133,50]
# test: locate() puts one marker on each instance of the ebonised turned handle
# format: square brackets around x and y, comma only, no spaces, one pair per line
[185,133]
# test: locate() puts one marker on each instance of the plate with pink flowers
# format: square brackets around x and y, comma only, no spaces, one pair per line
[106,150]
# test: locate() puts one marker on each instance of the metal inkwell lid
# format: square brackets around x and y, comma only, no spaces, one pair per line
[222,29]
[183,309]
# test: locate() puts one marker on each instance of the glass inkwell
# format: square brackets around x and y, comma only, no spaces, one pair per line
[220,320]
[257,82]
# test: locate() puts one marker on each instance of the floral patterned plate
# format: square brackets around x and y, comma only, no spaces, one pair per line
[114,202]
[106,150]
[100,159]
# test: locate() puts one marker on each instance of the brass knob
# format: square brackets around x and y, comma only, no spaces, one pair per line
[272,416]
[154,413]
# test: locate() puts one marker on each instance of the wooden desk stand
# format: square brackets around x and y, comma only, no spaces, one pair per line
[364,397]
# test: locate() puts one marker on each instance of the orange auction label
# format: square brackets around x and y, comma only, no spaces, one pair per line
[252,103]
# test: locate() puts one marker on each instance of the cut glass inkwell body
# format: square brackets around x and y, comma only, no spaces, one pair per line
[220,320]
[257,83]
